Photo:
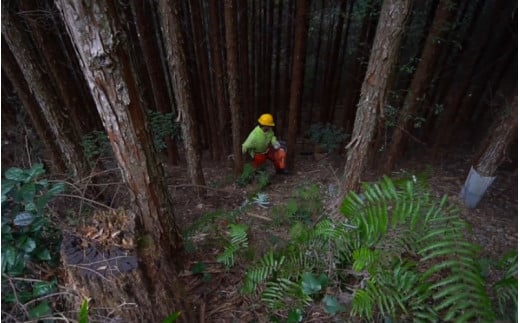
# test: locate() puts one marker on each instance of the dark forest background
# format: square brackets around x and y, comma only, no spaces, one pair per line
[143,86]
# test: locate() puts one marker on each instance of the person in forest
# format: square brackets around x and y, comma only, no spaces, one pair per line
[261,144]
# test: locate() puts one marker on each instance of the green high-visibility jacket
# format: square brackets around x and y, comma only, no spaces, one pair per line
[258,141]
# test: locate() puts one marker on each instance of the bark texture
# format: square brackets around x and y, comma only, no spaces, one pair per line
[444,13]
[67,138]
[175,45]
[374,89]
[99,35]
[300,46]
[233,86]
[500,138]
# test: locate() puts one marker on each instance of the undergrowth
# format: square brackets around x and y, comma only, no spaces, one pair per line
[398,255]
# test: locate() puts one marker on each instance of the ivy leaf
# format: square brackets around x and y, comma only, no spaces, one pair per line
[295,316]
[43,288]
[310,284]
[8,256]
[44,255]
[16,174]
[26,244]
[35,171]
[23,219]
[7,186]
[57,189]
[332,306]
[40,310]
[28,191]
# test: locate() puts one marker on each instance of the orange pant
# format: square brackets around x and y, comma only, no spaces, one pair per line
[277,156]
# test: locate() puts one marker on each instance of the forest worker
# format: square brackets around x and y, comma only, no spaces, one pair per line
[261,144]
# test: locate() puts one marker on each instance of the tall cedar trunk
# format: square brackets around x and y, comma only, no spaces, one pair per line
[142,11]
[67,138]
[420,82]
[175,46]
[500,138]
[233,87]
[281,114]
[501,46]
[267,104]
[243,62]
[14,74]
[278,52]
[203,73]
[220,90]
[465,71]
[315,77]
[375,86]
[359,66]
[331,73]
[77,108]
[105,63]
[341,60]
[300,46]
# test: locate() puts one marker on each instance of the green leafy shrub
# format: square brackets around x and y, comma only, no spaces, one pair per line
[27,238]
[163,126]
[328,136]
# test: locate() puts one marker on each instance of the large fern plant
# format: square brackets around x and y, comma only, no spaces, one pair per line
[400,253]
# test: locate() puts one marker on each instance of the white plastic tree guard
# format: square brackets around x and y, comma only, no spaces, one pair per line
[474,188]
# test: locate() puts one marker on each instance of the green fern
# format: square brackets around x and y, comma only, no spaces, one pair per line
[506,289]
[238,240]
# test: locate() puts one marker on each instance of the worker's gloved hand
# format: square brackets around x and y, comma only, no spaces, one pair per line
[276,145]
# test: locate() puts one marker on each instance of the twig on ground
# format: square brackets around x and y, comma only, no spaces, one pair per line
[87,200]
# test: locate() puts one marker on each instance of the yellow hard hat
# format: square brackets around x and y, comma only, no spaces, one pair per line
[266,119]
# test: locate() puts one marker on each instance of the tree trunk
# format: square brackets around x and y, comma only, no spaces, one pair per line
[67,138]
[78,108]
[243,62]
[145,30]
[464,73]
[220,89]
[299,51]
[331,73]
[98,32]
[375,86]
[233,87]
[420,83]
[172,30]
[359,67]
[500,138]
[14,74]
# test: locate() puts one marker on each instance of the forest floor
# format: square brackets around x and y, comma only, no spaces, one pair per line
[216,292]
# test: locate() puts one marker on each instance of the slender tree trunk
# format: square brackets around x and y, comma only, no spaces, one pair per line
[463,78]
[145,30]
[220,89]
[317,58]
[106,65]
[67,138]
[327,109]
[383,56]
[233,86]
[243,62]
[172,31]
[299,51]
[500,138]
[420,83]
[359,67]
[15,75]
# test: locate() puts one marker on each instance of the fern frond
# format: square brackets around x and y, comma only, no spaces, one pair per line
[269,264]
[277,292]
[238,240]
